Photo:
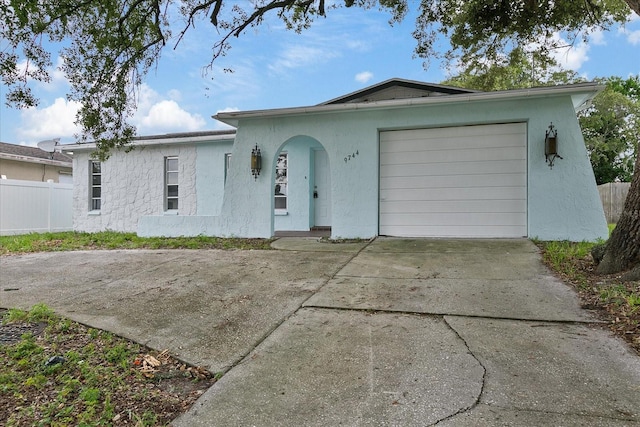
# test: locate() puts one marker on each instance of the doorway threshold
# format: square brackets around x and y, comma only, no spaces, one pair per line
[313,232]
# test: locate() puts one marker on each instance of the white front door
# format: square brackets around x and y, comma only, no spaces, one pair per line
[321,189]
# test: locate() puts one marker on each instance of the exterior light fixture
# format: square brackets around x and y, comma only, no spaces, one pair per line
[256,162]
[551,145]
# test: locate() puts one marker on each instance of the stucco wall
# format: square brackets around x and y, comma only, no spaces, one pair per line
[563,202]
[28,171]
[210,178]
[132,186]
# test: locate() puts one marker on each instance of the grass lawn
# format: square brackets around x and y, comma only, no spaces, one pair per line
[73,241]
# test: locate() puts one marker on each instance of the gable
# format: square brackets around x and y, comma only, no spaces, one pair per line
[397,89]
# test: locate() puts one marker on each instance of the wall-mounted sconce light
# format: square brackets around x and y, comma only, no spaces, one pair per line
[551,145]
[256,162]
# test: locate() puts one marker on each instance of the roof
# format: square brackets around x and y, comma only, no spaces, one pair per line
[397,89]
[33,155]
[165,139]
[579,93]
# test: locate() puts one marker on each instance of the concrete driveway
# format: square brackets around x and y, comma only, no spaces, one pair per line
[393,332]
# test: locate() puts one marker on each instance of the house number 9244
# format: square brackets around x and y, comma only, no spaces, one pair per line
[350,157]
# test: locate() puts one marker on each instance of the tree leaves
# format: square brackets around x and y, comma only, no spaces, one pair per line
[611,129]
[110,45]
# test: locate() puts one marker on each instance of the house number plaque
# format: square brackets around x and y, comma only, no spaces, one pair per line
[350,157]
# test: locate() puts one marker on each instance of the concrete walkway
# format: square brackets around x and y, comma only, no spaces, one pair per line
[394,332]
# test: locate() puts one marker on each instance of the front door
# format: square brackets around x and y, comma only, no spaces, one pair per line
[322,189]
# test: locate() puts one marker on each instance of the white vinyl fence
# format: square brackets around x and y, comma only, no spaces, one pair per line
[35,207]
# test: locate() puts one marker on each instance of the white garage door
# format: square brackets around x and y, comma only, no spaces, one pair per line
[468,181]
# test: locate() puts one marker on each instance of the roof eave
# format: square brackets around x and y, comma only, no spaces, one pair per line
[37,160]
[580,94]
[185,139]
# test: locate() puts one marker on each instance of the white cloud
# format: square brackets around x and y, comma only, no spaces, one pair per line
[146,98]
[167,116]
[570,57]
[302,56]
[358,45]
[175,95]
[364,77]
[633,37]
[58,79]
[573,57]
[54,121]
[228,110]
[156,114]
[629,29]
[597,38]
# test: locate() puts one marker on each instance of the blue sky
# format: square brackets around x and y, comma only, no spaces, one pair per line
[273,68]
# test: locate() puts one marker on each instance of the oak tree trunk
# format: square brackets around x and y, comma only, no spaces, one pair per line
[634,5]
[623,247]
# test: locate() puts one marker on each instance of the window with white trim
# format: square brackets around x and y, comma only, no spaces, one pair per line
[171,183]
[95,185]
[281,184]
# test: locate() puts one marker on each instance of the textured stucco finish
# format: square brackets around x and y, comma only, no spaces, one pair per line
[132,187]
[563,202]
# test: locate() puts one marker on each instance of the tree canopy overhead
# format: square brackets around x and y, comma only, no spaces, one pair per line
[108,46]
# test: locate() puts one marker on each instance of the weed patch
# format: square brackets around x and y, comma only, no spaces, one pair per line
[69,374]
[615,301]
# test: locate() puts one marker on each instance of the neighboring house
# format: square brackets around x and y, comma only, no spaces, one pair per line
[400,158]
[33,164]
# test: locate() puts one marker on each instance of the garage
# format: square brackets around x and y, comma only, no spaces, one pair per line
[467,181]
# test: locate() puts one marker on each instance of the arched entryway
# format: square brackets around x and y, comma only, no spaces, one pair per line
[301,188]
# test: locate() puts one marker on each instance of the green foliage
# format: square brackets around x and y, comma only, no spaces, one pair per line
[90,395]
[70,241]
[620,296]
[109,46]
[25,350]
[560,255]
[118,354]
[38,381]
[633,301]
[611,129]
[519,69]
[38,313]
[481,30]
[78,391]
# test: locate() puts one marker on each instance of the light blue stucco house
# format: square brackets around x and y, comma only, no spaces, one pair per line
[400,158]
